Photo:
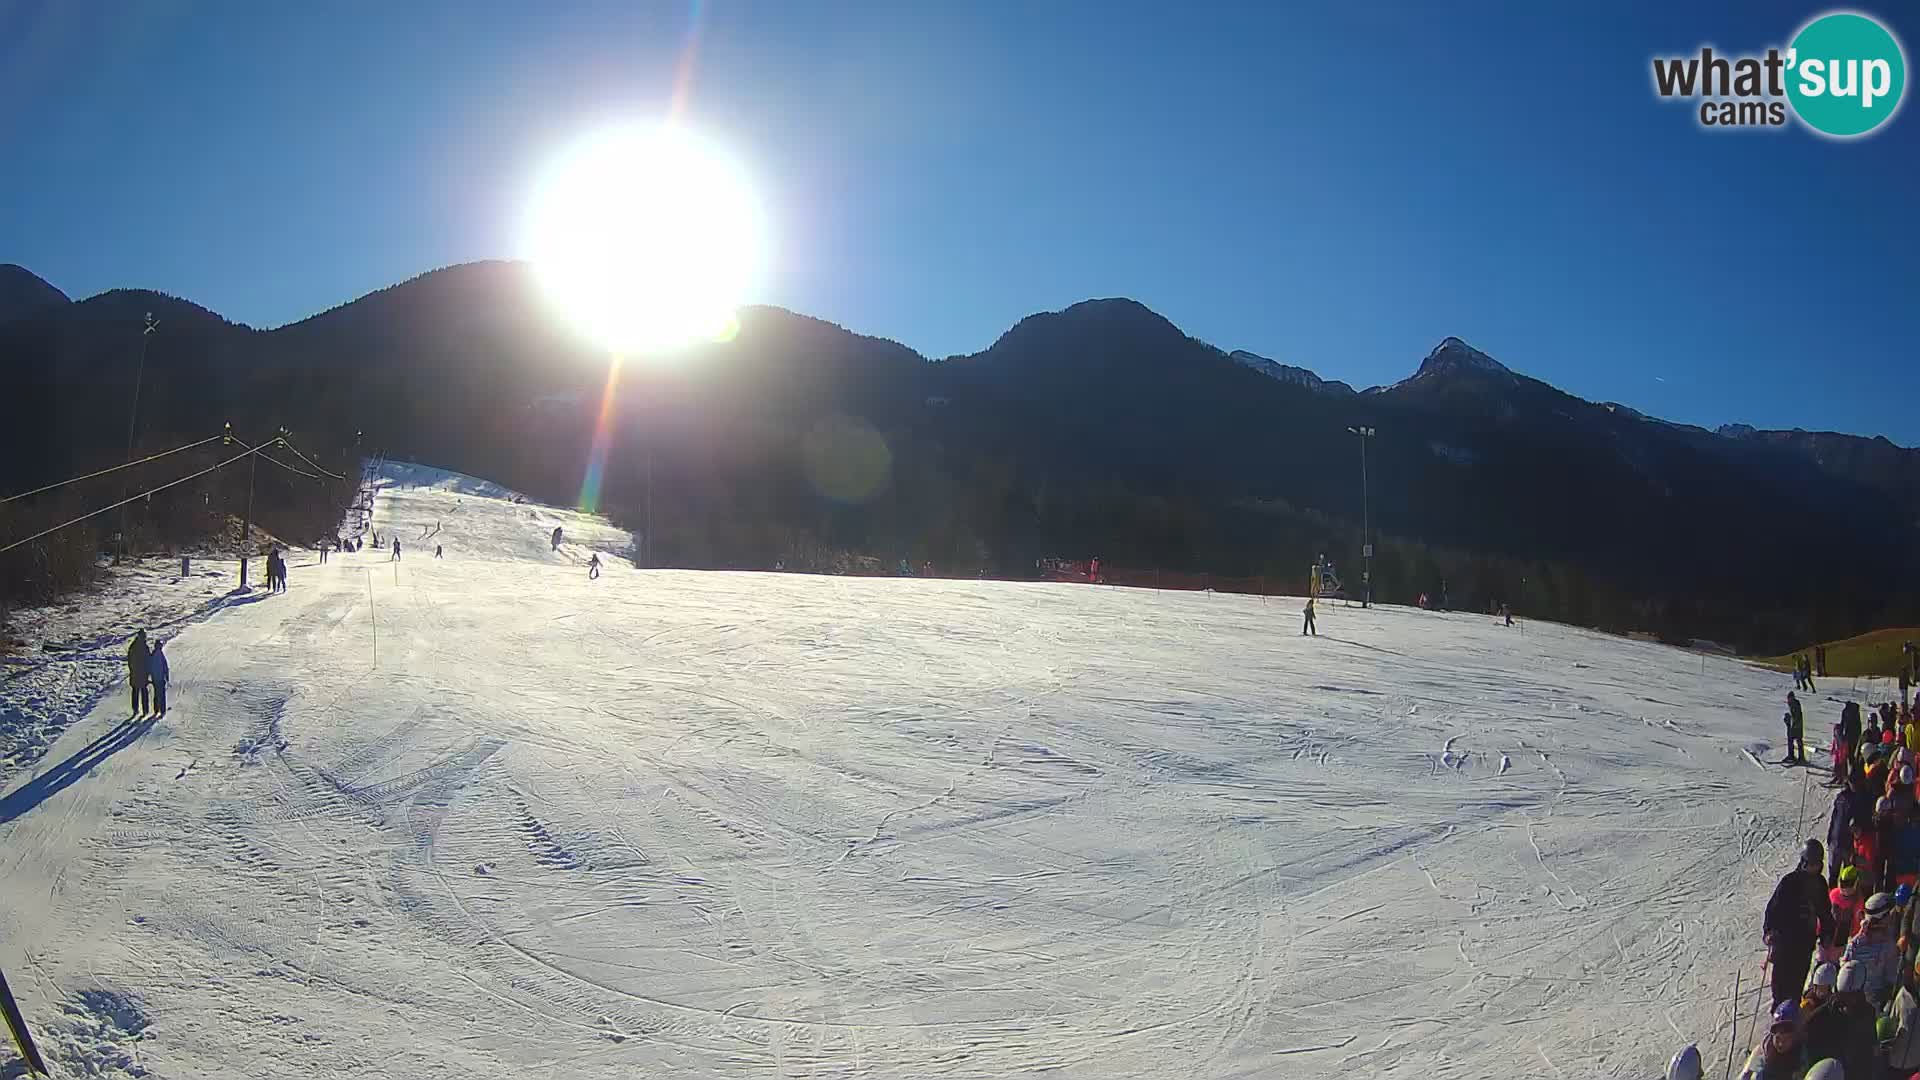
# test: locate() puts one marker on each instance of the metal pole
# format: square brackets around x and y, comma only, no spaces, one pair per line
[246,523]
[133,416]
[1366,521]
[1366,528]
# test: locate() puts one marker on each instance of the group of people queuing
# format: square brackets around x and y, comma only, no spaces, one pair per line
[1842,928]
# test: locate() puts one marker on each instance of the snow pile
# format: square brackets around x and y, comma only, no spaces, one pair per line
[481,816]
[409,475]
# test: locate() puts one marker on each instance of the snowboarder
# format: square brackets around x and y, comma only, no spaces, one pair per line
[1797,917]
[396,550]
[1306,626]
[556,538]
[1507,614]
[593,566]
[1796,732]
[157,670]
[436,551]
[137,672]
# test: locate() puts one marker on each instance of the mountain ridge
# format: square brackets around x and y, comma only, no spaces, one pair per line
[1099,426]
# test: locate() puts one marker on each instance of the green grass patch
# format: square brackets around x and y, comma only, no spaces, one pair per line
[1876,652]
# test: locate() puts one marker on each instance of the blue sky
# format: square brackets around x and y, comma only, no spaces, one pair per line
[1337,186]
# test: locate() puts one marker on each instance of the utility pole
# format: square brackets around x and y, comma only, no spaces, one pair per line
[246,523]
[1366,524]
[133,416]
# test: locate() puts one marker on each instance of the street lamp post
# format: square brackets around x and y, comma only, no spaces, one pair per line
[1366,524]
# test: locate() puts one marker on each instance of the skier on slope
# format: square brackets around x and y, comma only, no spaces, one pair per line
[593,566]
[157,670]
[1797,917]
[396,549]
[1306,625]
[556,538]
[436,551]
[137,656]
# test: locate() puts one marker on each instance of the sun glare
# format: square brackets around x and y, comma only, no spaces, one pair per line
[646,239]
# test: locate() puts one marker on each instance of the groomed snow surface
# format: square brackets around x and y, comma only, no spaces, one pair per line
[482,817]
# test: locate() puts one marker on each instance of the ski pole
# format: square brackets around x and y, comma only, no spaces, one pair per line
[1733,1036]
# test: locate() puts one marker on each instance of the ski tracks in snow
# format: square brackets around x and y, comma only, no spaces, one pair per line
[678,823]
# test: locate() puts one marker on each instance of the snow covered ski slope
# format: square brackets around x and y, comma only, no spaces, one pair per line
[481,816]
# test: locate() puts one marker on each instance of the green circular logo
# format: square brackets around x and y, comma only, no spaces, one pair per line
[1845,75]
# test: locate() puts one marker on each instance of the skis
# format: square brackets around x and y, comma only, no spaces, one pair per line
[18,1026]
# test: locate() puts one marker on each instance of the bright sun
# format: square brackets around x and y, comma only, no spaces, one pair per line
[646,239]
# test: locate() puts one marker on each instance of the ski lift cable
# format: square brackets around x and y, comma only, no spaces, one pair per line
[116,468]
[296,450]
[262,451]
[136,498]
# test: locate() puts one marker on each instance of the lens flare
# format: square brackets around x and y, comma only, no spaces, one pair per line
[602,443]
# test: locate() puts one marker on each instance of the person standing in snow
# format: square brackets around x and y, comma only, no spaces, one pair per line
[1860,1043]
[1848,742]
[556,538]
[1873,950]
[1852,807]
[436,551]
[157,669]
[593,566]
[396,549]
[1306,625]
[137,675]
[1807,676]
[1797,917]
[1796,732]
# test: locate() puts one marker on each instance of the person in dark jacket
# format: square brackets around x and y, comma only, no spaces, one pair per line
[1850,727]
[1852,807]
[137,675]
[157,669]
[396,549]
[1796,732]
[1859,1020]
[1798,916]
